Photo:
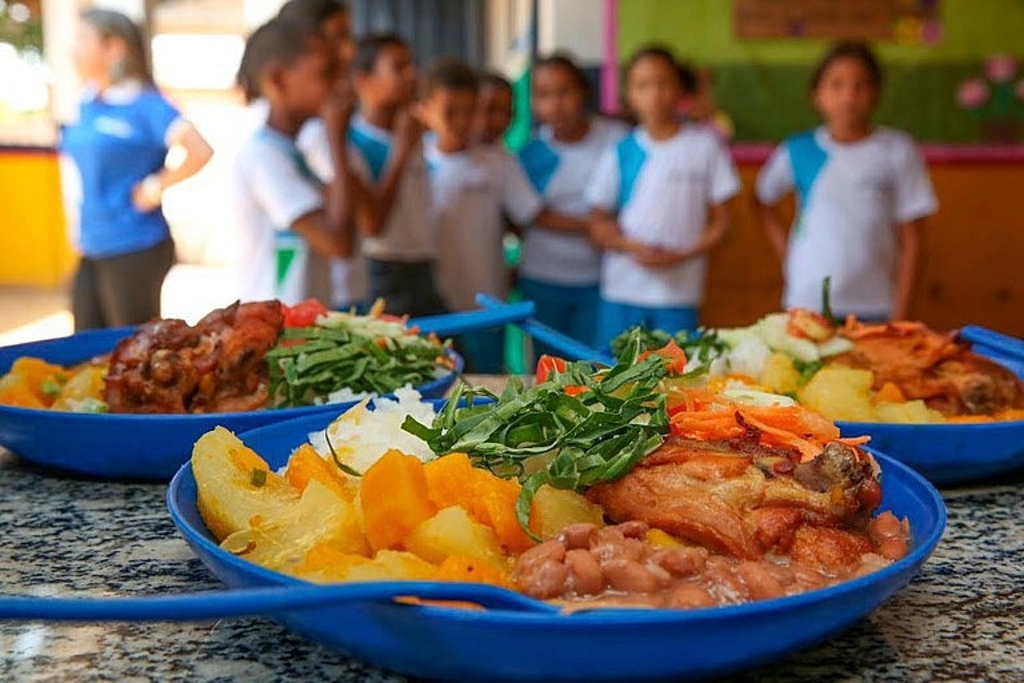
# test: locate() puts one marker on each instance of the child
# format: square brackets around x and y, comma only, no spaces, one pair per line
[394,214]
[494,110]
[349,278]
[659,206]
[863,194]
[561,267]
[290,228]
[472,187]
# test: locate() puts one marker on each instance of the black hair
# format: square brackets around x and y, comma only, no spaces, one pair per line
[110,24]
[685,74]
[561,60]
[368,49]
[852,49]
[450,74]
[495,80]
[316,10]
[278,41]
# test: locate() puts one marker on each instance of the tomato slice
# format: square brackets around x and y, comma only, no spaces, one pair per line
[546,365]
[675,357]
[304,313]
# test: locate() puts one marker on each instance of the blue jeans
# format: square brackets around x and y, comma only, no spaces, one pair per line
[614,318]
[571,310]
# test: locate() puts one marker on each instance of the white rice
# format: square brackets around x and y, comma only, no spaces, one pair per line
[360,436]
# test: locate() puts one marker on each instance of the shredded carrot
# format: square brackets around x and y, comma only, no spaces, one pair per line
[697,414]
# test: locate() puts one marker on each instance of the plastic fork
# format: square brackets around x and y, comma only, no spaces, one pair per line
[459,323]
[571,348]
[255,601]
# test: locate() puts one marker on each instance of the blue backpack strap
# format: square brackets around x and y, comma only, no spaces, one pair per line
[631,158]
[373,150]
[539,162]
[807,158]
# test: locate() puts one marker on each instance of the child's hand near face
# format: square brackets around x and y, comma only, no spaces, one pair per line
[408,127]
[338,108]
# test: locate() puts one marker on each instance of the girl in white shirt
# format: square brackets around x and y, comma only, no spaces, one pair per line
[659,200]
[561,266]
[863,193]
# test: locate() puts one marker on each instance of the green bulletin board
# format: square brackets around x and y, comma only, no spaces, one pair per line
[762,83]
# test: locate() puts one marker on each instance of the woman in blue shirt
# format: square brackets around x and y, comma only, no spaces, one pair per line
[119,147]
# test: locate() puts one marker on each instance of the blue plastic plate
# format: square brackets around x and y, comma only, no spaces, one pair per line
[504,645]
[128,447]
[948,453]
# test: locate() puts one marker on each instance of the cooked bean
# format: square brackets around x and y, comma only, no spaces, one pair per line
[629,576]
[688,595]
[760,582]
[682,561]
[545,579]
[577,535]
[542,552]
[585,574]
[633,529]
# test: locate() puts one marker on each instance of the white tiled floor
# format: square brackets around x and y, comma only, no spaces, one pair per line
[31,313]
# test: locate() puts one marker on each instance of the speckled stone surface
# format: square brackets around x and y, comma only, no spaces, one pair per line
[961,619]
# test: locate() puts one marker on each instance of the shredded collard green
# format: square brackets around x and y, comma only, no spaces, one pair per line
[702,346]
[310,363]
[578,428]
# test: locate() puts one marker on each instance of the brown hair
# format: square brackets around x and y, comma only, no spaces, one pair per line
[450,74]
[686,76]
[114,25]
[857,50]
[561,60]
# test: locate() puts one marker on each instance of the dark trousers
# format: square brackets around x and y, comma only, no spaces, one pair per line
[120,290]
[406,287]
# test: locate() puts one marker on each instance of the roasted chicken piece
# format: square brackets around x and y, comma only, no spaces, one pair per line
[218,365]
[746,500]
[932,366]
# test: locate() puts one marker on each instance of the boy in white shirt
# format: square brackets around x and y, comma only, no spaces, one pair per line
[659,201]
[290,223]
[473,189]
[393,212]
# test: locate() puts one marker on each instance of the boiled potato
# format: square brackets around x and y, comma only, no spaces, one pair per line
[326,564]
[840,393]
[281,541]
[235,485]
[908,412]
[453,532]
[85,385]
[554,509]
[779,374]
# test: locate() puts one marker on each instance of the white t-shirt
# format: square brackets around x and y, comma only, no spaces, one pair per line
[350,279]
[471,190]
[662,191]
[271,188]
[561,172]
[409,233]
[852,199]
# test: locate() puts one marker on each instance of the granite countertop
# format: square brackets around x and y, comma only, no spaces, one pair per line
[961,619]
